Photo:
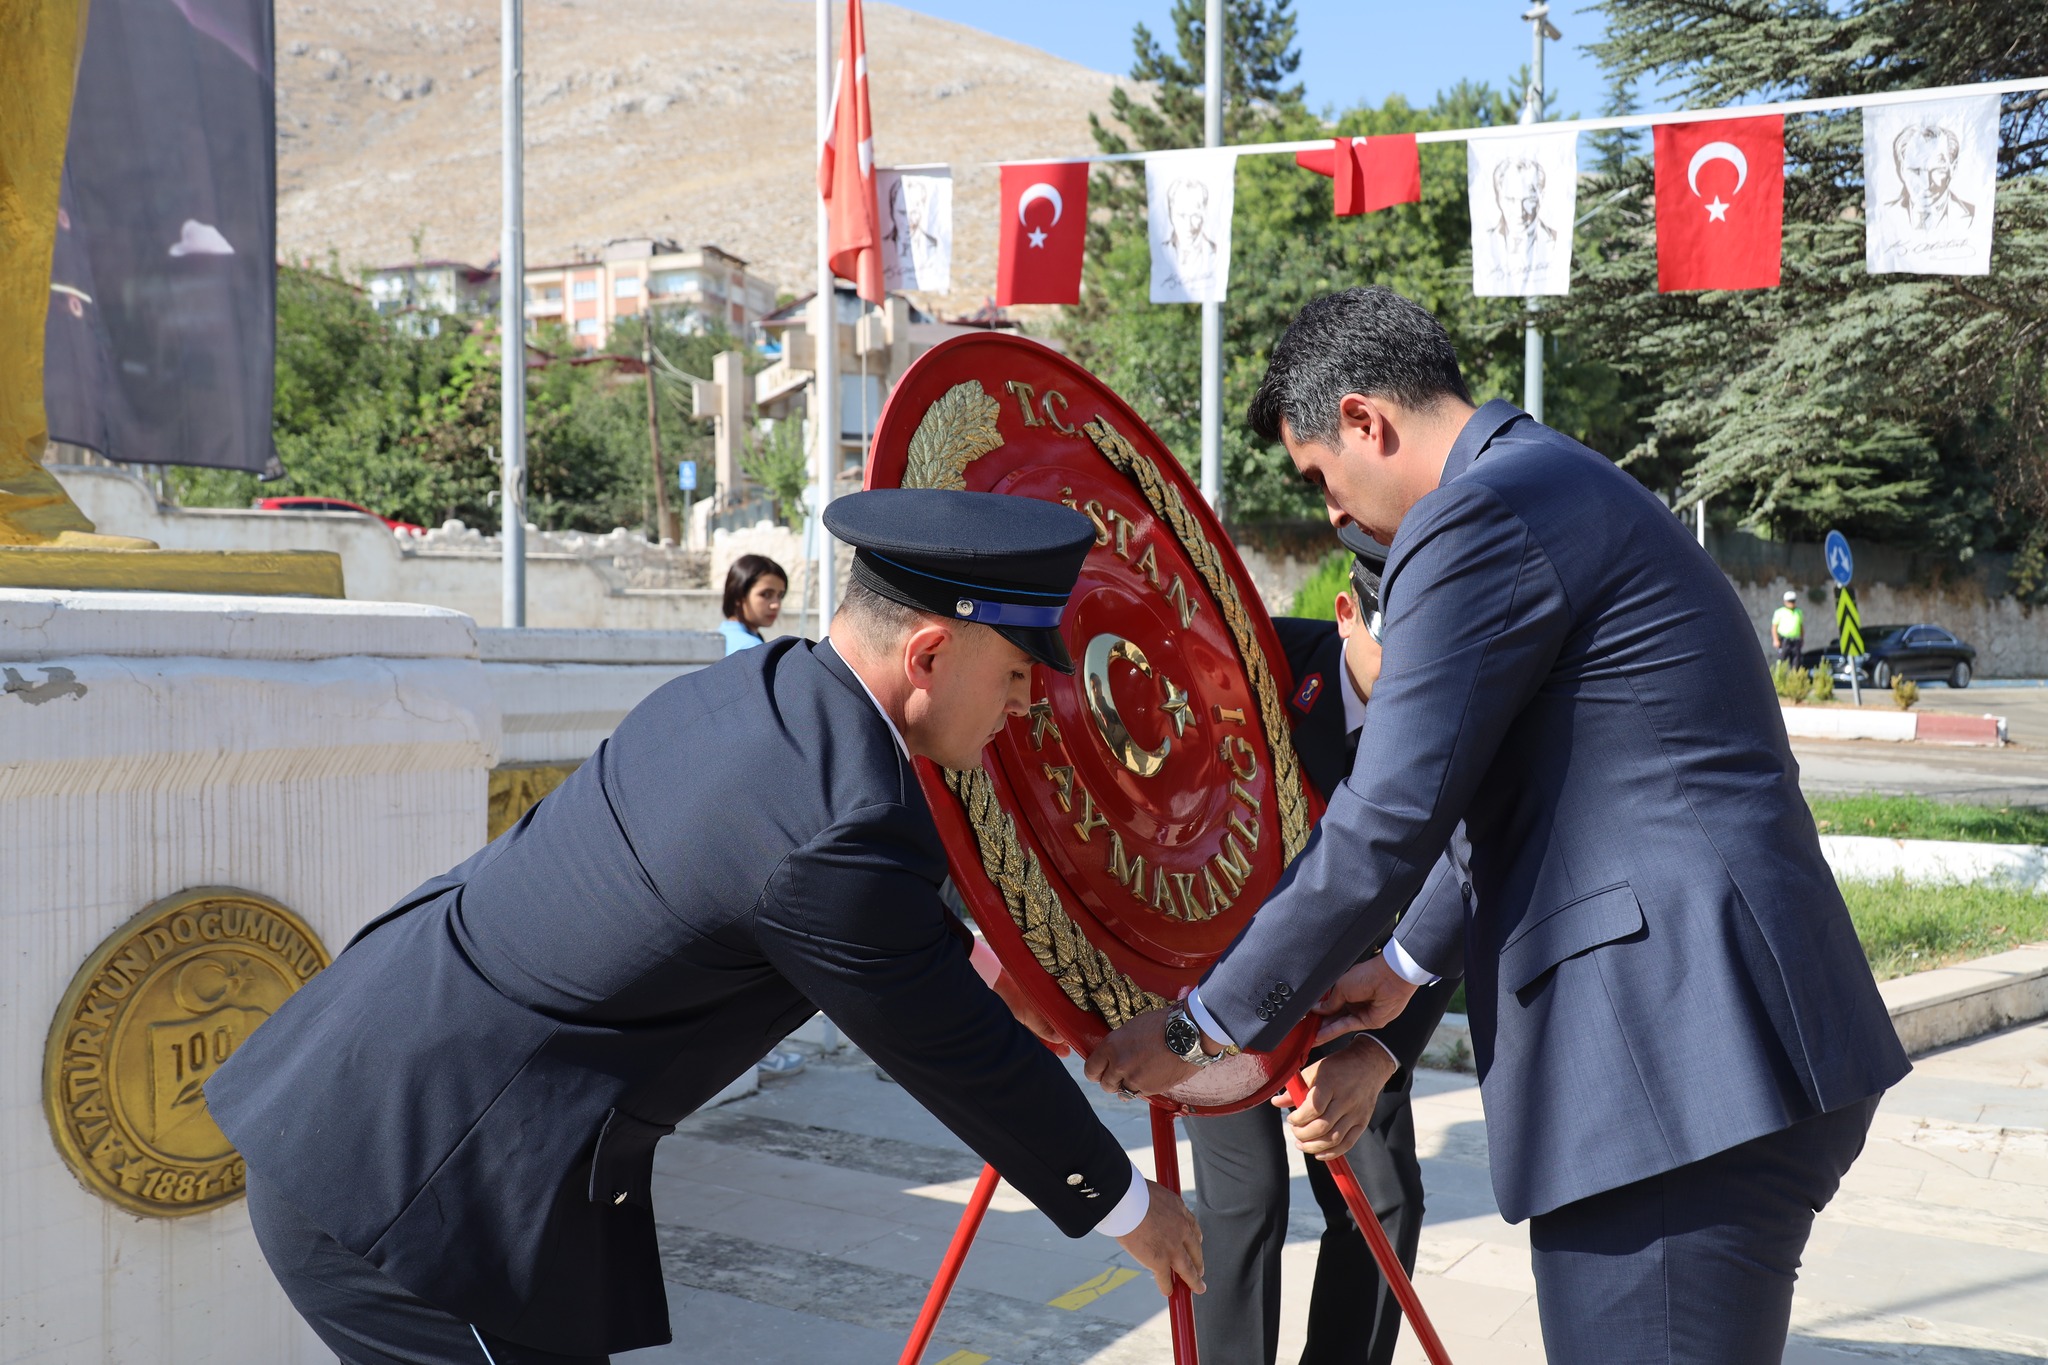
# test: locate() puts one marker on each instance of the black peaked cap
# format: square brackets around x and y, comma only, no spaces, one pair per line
[1007,562]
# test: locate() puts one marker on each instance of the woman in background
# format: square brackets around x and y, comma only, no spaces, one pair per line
[754,587]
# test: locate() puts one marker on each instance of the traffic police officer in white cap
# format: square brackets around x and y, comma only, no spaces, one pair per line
[450,1132]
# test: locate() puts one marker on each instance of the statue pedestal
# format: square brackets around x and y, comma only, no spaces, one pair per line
[315,757]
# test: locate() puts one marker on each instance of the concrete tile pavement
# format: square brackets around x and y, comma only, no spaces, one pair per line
[803,1224]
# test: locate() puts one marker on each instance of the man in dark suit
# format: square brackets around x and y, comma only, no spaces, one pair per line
[1679,1042]
[1358,1100]
[450,1132]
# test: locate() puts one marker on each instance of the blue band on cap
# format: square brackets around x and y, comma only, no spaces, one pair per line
[963,583]
[1009,614]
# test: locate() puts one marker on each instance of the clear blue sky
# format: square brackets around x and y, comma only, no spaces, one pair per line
[1353,51]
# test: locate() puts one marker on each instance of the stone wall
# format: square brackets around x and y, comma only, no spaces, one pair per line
[618,581]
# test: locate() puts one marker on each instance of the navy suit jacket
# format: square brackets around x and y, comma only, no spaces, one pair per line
[471,1095]
[1658,963]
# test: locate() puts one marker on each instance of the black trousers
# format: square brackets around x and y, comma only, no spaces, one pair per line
[1694,1266]
[1241,1198]
[364,1317]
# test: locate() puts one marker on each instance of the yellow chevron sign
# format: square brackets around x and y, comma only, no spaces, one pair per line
[1848,621]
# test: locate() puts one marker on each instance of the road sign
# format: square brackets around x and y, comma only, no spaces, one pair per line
[686,475]
[1848,621]
[1840,562]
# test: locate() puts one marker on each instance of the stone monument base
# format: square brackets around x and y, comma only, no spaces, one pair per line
[261,775]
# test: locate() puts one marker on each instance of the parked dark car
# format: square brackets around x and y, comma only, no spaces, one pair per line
[1922,652]
[313,504]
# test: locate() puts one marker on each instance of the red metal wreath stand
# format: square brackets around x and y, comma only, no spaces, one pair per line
[1181,1307]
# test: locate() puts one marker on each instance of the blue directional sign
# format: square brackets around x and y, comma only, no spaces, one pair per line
[686,479]
[1840,563]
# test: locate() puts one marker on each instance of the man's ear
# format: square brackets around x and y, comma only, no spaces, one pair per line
[1348,623]
[922,649]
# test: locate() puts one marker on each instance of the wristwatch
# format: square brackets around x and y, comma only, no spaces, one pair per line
[1184,1039]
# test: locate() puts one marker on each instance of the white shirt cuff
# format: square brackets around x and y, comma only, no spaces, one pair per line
[1204,1020]
[1130,1210]
[1406,967]
[1384,1048]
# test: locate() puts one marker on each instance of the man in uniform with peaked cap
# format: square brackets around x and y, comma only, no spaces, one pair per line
[450,1132]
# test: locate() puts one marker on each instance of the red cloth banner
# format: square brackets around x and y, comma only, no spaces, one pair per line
[1371,173]
[846,168]
[1720,203]
[1045,229]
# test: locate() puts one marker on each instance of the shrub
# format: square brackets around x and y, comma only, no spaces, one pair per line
[1823,684]
[1905,692]
[1791,683]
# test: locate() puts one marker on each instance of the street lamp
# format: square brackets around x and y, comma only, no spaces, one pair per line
[1540,27]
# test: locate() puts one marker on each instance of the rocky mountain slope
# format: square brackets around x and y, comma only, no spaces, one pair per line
[688,119]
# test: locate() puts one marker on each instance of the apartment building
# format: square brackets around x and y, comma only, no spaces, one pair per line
[704,285]
[431,288]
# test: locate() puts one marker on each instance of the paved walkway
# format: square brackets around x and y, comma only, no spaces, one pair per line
[803,1225]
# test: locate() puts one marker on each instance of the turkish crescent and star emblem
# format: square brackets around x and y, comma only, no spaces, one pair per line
[1044,232]
[1115,839]
[1720,203]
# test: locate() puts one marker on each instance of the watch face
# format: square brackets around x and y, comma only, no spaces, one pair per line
[1182,1037]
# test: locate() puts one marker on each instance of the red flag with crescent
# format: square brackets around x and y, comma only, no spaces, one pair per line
[846,168]
[1720,203]
[1045,229]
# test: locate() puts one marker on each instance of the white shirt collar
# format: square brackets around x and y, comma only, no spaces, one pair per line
[1354,705]
[894,733]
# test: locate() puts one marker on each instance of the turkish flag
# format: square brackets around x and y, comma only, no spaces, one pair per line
[1371,173]
[846,168]
[1720,203]
[1045,228]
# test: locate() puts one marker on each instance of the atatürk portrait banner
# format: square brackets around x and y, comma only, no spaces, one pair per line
[1189,197]
[1524,192]
[1930,170]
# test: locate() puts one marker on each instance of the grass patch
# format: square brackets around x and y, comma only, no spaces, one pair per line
[1907,927]
[1316,598]
[1916,817]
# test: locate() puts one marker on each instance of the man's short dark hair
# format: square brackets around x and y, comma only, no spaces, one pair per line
[1368,341]
[879,621]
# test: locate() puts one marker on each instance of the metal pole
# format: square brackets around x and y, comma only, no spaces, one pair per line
[1532,111]
[1212,312]
[825,332]
[512,322]
[1699,520]
[654,426]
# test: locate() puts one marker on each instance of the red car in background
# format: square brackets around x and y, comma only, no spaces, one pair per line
[306,504]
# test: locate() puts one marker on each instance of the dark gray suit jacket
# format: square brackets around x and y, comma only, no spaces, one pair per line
[1658,963]
[470,1096]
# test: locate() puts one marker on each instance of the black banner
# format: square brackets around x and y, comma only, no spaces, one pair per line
[161,335]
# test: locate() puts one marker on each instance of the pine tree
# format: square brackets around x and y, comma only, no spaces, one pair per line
[1910,408]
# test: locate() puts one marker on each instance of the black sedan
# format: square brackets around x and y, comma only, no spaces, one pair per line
[1922,652]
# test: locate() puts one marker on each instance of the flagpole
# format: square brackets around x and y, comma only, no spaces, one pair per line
[1540,28]
[825,342]
[512,323]
[1212,311]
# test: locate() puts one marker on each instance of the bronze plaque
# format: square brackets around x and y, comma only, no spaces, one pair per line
[157,1007]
